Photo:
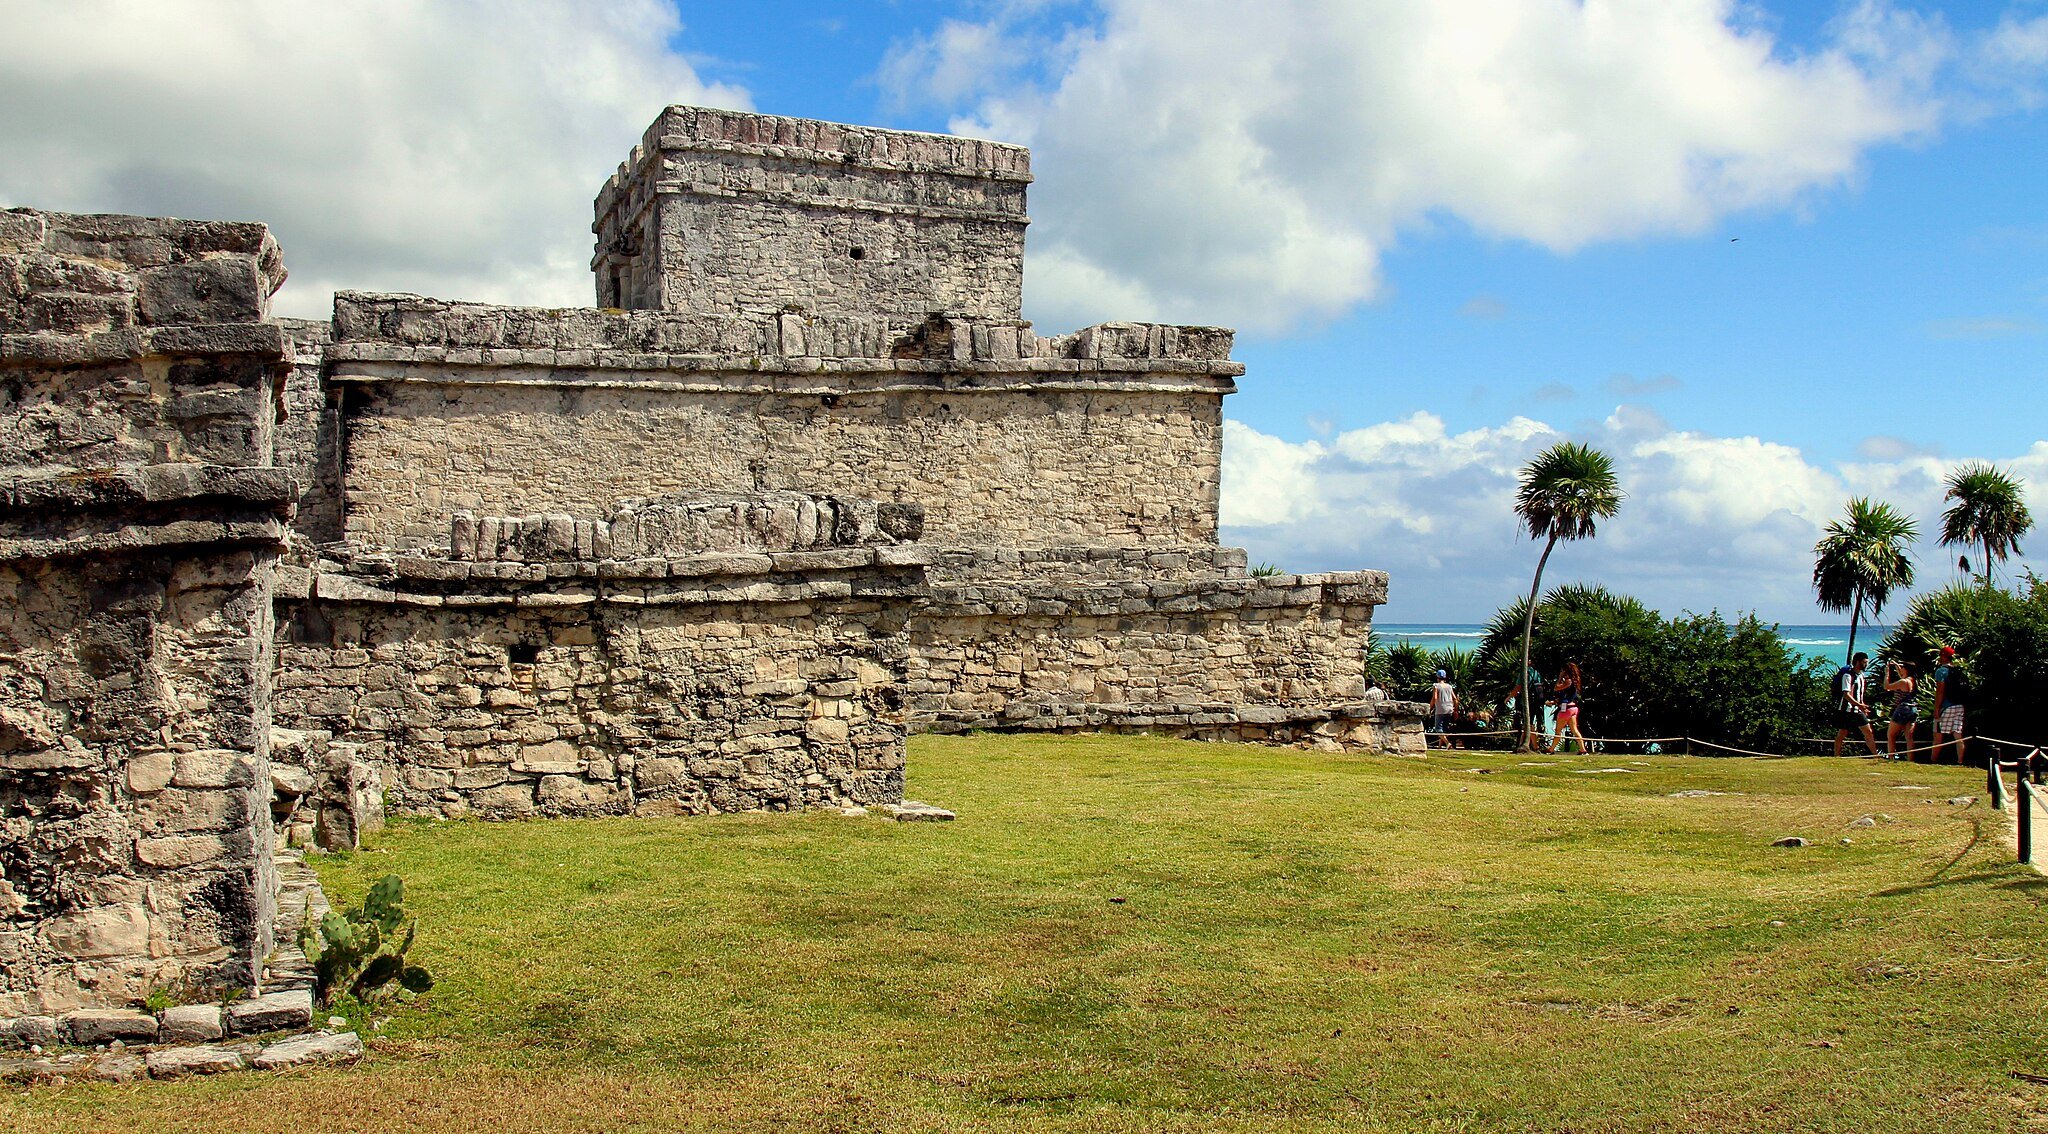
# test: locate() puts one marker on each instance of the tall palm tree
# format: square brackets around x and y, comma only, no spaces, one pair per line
[1862,557]
[1989,511]
[1564,491]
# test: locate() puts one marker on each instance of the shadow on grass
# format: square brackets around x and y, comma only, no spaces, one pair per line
[2035,887]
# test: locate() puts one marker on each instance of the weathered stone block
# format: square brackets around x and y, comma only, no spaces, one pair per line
[191,1023]
[30,1031]
[177,1062]
[91,1026]
[345,1047]
[151,771]
[574,795]
[271,1012]
[177,851]
[110,931]
[225,290]
[558,757]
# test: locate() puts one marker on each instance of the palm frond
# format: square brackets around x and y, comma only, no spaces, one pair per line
[1990,510]
[1863,555]
[1566,490]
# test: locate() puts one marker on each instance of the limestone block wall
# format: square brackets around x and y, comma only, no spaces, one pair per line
[1086,566]
[1006,654]
[134,781]
[139,387]
[1116,440]
[650,686]
[103,318]
[727,211]
[309,436]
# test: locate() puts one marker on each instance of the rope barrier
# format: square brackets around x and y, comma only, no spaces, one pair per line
[1739,751]
[1903,753]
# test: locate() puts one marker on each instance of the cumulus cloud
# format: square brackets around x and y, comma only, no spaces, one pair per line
[1710,522]
[450,148]
[1212,161]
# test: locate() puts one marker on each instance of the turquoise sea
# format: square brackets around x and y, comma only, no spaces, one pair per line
[1826,642]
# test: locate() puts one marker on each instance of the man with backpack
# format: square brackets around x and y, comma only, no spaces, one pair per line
[1951,703]
[1851,712]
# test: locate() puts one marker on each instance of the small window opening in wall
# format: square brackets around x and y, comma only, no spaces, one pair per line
[523,653]
[829,400]
[858,253]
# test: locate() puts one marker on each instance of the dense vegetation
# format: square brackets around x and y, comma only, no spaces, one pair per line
[1698,675]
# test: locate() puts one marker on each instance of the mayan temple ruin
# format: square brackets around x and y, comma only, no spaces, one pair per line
[802,483]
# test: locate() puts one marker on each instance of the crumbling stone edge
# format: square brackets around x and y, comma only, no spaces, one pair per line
[267,1032]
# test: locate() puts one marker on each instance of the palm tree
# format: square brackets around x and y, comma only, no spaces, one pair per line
[1863,558]
[1564,491]
[1989,511]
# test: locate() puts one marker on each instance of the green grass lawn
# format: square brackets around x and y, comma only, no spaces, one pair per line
[1135,934]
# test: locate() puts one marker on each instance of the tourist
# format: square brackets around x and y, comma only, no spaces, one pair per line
[1852,713]
[1898,681]
[1570,689]
[1443,702]
[1482,724]
[1532,684]
[1373,693]
[1951,700]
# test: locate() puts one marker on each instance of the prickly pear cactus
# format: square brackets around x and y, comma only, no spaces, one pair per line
[353,951]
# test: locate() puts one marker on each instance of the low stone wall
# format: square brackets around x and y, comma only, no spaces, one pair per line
[1377,726]
[652,686]
[993,654]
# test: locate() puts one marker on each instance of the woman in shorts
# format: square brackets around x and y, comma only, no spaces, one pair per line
[1568,689]
[1898,681]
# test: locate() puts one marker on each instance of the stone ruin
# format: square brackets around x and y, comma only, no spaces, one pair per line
[803,483]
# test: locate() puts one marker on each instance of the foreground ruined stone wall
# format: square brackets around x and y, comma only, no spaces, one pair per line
[541,679]
[1111,436]
[137,534]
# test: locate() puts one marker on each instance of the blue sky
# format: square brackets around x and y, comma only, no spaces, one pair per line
[1770,254]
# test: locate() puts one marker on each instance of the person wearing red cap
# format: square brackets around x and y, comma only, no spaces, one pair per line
[1951,700]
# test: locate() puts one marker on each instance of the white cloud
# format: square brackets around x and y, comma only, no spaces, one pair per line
[1212,161]
[449,148]
[2013,57]
[1710,522]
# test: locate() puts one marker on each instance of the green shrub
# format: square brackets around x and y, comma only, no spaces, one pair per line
[358,952]
[1647,676]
